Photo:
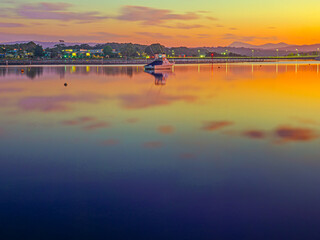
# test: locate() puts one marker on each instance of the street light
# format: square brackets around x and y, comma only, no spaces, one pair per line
[297,52]
[277,53]
[252,53]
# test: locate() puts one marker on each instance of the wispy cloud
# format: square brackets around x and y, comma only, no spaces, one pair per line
[56,11]
[154,35]
[212,18]
[203,35]
[183,26]
[6,36]
[11,25]
[246,38]
[152,16]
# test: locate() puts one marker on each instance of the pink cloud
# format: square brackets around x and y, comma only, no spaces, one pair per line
[183,26]
[152,16]
[11,25]
[56,11]
[153,35]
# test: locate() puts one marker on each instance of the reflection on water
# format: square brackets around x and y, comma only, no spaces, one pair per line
[225,151]
[160,76]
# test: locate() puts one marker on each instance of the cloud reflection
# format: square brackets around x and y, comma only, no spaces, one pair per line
[132,120]
[166,129]
[55,103]
[294,134]
[78,121]
[254,134]
[110,142]
[143,101]
[10,90]
[154,144]
[187,156]
[97,125]
[216,125]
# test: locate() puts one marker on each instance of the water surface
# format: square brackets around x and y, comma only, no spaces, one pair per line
[226,151]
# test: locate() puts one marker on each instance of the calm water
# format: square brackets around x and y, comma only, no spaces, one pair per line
[203,152]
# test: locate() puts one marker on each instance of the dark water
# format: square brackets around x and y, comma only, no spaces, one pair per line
[203,152]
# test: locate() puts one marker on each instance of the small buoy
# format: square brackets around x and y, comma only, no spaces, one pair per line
[65,84]
[22,70]
[218,67]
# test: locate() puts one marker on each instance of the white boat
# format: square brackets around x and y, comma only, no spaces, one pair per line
[160,63]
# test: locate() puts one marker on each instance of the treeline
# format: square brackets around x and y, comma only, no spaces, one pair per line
[111,50]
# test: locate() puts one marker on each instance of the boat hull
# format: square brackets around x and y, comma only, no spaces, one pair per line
[159,67]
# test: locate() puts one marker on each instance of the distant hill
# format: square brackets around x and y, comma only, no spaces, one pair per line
[302,48]
[264,46]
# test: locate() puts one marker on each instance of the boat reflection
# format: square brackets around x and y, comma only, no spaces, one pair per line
[160,76]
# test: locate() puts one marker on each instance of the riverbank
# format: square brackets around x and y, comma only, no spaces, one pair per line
[144,61]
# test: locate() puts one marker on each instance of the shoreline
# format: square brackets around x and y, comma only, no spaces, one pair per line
[135,62]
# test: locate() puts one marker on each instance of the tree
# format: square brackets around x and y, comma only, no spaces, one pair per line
[155,48]
[129,50]
[107,50]
[29,47]
[38,51]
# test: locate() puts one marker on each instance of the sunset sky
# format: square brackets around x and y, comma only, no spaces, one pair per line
[172,23]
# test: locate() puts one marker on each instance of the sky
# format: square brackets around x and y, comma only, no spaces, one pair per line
[171,23]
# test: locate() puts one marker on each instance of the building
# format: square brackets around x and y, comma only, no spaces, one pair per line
[82,53]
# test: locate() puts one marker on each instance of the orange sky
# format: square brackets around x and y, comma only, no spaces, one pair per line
[188,23]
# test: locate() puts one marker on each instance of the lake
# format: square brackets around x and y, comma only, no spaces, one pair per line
[223,151]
